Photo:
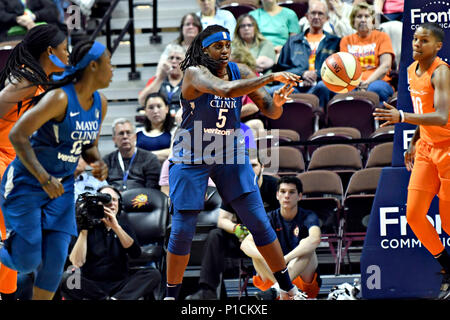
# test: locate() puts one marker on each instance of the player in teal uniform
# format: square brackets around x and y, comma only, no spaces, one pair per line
[37,188]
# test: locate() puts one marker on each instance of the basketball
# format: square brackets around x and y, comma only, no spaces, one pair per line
[341,72]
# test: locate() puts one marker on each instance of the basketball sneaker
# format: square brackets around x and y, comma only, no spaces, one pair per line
[271,294]
[203,294]
[444,293]
[344,291]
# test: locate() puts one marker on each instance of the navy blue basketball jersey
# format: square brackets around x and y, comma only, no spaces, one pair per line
[290,233]
[58,145]
[210,128]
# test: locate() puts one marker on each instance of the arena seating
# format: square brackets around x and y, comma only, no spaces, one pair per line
[299,6]
[347,117]
[360,105]
[238,9]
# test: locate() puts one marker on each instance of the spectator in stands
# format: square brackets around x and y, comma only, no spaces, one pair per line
[190,27]
[101,252]
[276,23]
[247,35]
[168,78]
[158,127]
[374,50]
[338,22]
[130,167]
[305,53]
[17,17]
[211,14]
[85,182]
[225,240]
[391,9]
[298,231]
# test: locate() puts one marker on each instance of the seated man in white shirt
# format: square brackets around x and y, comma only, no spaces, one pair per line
[84,182]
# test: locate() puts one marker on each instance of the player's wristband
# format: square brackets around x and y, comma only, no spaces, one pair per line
[47,182]
[402,115]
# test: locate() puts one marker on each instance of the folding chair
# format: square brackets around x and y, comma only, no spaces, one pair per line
[333,133]
[238,9]
[380,155]
[357,205]
[323,194]
[299,6]
[299,114]
[146,210]
[353,109]
[340,158]
[282,161]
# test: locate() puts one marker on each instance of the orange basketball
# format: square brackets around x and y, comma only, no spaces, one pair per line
[341,72]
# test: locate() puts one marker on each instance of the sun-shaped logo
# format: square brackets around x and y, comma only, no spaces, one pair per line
[296,231]
[140,200]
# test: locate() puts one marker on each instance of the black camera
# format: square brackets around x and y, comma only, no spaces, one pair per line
[89,209]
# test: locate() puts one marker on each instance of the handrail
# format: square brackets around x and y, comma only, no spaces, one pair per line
[129,28]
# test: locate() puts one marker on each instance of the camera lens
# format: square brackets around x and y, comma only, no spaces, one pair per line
[104,198]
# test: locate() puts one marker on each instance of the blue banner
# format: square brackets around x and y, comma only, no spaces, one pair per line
[415,13]
[394,264]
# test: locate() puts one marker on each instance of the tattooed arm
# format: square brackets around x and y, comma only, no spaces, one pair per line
[270,107]
[199,80]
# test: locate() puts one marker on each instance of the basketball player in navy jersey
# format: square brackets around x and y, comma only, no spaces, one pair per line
[37,190]
[211,103]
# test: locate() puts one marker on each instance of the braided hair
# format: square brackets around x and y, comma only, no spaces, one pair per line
[78,52]
[23,62]
[195,55]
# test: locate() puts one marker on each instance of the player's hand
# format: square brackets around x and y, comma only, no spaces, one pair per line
[99,170]
[53,187]
[286,77]
[409,157]
[281,95]
[391,115]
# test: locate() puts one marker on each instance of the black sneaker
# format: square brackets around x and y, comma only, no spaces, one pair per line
[271,294]
[445,286]
[202,294]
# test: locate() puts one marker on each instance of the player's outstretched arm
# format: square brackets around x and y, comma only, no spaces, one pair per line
[441,83]
[199,80]
[270,106]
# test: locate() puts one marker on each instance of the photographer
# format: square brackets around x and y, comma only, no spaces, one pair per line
[101,252]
